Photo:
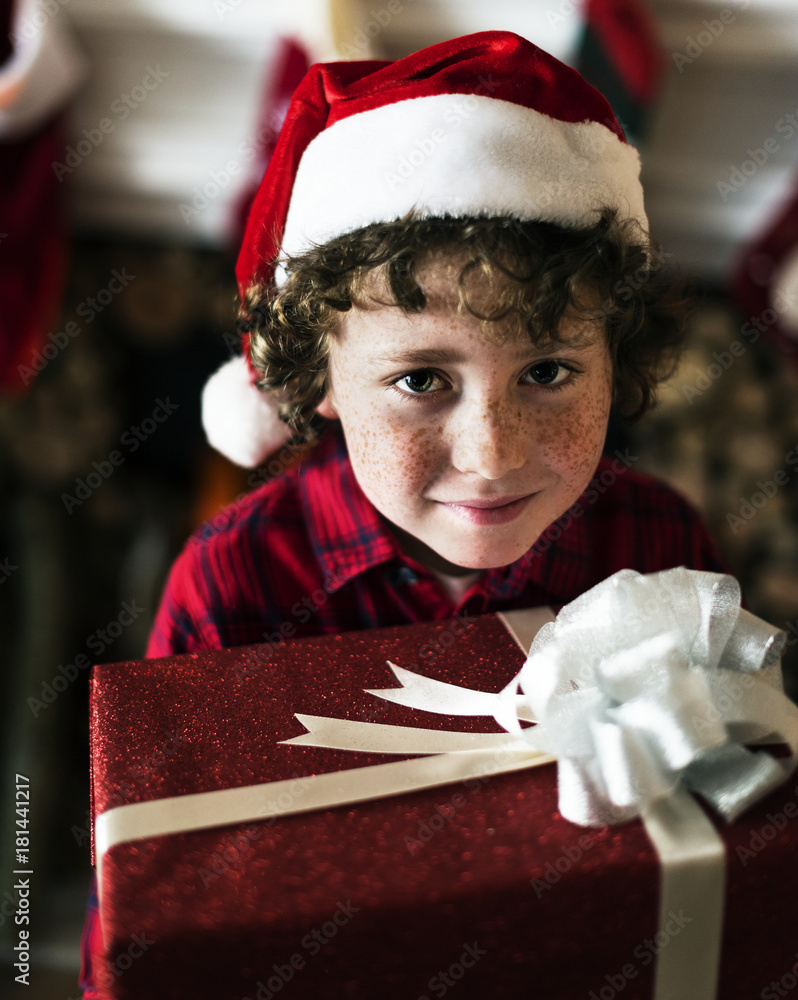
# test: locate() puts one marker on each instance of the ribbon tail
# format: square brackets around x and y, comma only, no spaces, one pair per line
[431,695]
[371,737]
[732,779]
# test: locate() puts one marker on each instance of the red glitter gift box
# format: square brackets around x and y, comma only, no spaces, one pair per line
[480,886]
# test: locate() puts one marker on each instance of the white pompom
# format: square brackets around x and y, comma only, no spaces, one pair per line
[44,70]
[784,293]
[240,420]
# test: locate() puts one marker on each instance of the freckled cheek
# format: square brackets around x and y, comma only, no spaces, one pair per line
[589,429]
[571,440]
[391,456]
[586,438]
[365,439]
[365,453]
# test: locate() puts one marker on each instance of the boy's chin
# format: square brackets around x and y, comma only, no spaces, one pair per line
[458,562]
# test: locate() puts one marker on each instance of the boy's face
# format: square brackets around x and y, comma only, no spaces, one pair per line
[470,441]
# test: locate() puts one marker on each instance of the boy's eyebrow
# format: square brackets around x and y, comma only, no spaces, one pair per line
[420,356]
[436,356]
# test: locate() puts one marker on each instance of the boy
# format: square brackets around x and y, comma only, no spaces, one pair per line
[466,287]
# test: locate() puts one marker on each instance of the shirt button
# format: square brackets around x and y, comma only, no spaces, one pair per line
[397,575]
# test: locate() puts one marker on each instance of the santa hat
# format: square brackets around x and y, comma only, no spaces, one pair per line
[485,125]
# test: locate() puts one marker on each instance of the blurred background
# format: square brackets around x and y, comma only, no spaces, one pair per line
[132,134]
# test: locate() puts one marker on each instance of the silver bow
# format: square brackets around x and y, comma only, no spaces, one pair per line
[646,681]
[643,683]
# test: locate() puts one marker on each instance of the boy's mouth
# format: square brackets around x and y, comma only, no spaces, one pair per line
[494,510]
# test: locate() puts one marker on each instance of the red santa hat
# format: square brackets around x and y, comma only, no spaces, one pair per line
[485,125]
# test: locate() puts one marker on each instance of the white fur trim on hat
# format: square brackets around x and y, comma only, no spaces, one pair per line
[460,155]
[240,420]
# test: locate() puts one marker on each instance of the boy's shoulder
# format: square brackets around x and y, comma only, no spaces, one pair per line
[248,564]
[636,519]
[620,478]
[621,470]
[287,498]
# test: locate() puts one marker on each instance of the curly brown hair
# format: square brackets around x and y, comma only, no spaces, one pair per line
[610,268]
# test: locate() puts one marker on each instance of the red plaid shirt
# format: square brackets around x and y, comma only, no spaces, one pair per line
[307,554]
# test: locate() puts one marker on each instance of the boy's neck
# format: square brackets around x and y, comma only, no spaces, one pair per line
[416,549]
[455,580]
[456,586]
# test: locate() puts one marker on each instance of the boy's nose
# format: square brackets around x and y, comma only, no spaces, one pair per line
[489,440]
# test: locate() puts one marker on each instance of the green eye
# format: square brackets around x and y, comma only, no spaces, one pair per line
[418,382]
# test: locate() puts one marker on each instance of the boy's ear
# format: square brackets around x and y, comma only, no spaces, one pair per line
[326,409]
